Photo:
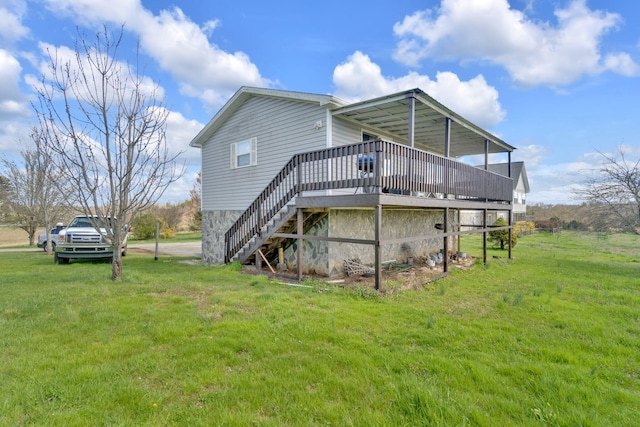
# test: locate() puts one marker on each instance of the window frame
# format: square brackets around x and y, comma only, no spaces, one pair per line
[237,154]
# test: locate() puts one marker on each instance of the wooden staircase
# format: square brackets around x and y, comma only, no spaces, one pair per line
[285,222]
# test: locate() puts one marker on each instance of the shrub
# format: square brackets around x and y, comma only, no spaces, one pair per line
[144,226]
[167,233]
[524,228]
[501,237]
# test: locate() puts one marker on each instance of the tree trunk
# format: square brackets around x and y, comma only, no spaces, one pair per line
[48,242]
[116,265]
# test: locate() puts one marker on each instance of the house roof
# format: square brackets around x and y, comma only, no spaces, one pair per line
[390,114]
[387,115]
[517,170]
[247,92]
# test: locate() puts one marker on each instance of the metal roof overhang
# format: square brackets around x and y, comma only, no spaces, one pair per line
[390,116]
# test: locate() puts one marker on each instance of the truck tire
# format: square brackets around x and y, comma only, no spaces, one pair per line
[59,260]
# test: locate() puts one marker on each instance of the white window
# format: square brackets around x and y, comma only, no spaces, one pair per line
[244,153]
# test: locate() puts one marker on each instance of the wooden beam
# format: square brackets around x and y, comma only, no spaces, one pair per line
[445,254]
[376,248]
[484,237]
[300,231]
[267,262]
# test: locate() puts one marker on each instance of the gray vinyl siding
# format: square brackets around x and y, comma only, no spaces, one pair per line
[345,133]
[282,127]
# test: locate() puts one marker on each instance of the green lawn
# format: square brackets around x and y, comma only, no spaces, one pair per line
[552,338]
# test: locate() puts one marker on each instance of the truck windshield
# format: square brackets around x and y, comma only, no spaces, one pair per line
[86,222]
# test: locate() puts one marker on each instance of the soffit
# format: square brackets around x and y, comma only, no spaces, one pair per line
[389,115]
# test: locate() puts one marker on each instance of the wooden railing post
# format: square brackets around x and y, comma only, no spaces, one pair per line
[298,165]
[378,165]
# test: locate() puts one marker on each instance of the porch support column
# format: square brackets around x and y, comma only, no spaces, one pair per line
[486,167]
[486,154]
[299,231]
[376,246]
[412,118]
[447,153]
[447,137]
[445,253]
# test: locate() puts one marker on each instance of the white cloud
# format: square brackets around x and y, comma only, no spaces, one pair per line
[180,132]
[178,44]
[530,154]
[621,63]
[359,78]
[99,11]
[12,28]
[534,53]
[14,105]
[204,70]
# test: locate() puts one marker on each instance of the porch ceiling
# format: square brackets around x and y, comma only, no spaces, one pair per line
[390,116]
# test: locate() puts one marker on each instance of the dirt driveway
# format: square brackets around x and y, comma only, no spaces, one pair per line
[185,249]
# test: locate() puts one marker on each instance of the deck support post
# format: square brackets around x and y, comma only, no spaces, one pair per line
[258,261]
[376,246]
[299,231]
[445,252]
[510,214]
[459,229]
[484,237]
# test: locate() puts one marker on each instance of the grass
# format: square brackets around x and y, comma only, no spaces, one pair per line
[551,338]
[177,238]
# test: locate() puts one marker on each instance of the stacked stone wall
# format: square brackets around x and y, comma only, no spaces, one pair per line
[327,258]
[214,225]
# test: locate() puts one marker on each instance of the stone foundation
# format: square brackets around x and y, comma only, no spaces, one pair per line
[327,258]
[214,225]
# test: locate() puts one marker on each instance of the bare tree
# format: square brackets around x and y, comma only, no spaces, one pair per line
[106,122]
[54,191]
[36,195]
[5,191]
[615,189]
[23,188]
[171,214]
[196,203]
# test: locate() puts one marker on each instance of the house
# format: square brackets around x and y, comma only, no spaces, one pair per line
[520,189]
[518,173]
[373,180]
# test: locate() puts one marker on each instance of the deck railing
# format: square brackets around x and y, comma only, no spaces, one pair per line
[374,167]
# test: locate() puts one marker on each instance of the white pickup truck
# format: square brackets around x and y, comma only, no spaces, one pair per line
[82,240]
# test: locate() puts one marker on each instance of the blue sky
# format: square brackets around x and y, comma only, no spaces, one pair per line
[559,80]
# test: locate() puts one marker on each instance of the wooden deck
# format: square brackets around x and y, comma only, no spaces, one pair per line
[368,174]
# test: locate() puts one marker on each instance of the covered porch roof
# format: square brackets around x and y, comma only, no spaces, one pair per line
[420,121]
